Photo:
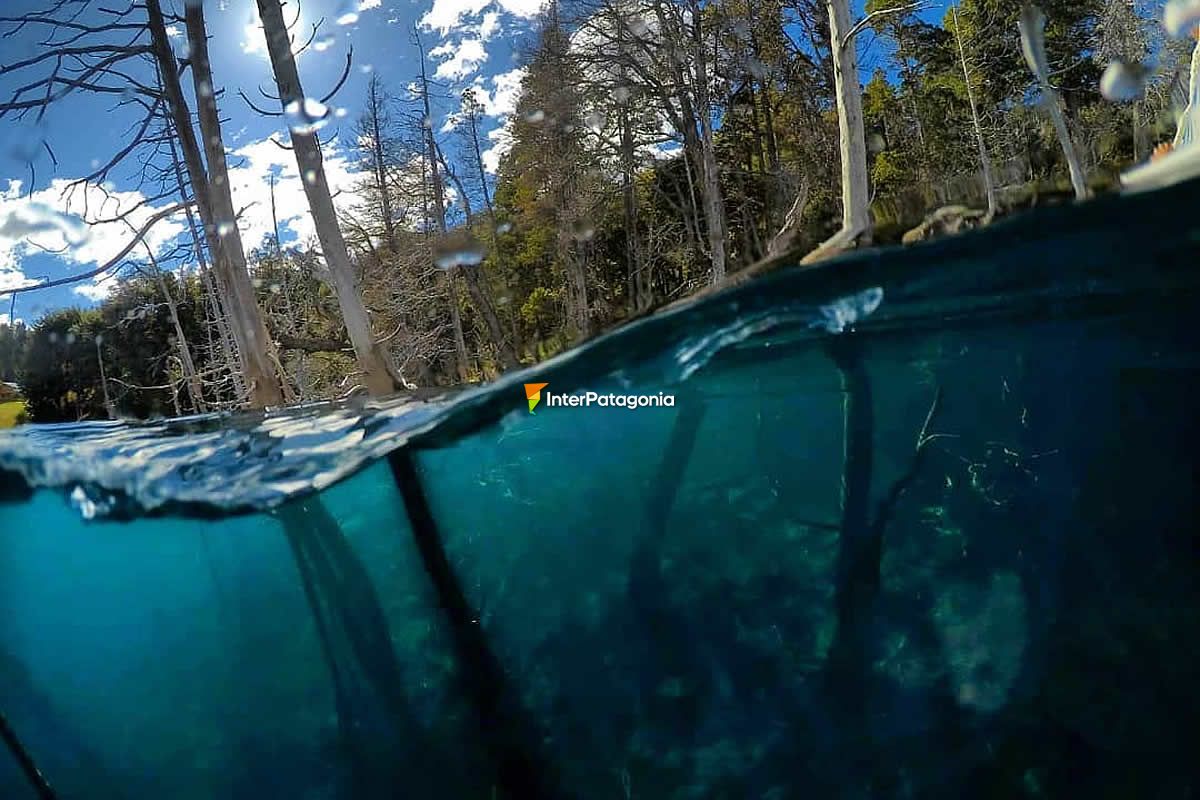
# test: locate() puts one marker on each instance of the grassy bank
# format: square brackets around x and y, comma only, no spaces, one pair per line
[10,411]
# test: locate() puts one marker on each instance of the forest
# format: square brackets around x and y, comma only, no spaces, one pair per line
[658,148]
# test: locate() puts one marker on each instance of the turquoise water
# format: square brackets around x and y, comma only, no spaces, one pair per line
[919,524]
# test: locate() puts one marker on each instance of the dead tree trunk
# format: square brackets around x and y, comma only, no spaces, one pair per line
[379,162]
[439,210]
[1032,25]
[852,145]
[186,363]
[379,374]
[638,282]
[497,254]
[215,294]
[710,174]
[477,289]
[245,318]
[985,161]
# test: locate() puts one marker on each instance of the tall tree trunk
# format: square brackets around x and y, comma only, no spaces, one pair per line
[191,379]
[379,164]
[439,210]
[1032,25]
[379,374]
[852,145]
[497,253]
[640,290]
[985,161]
[245,321]
[714,206]
[109,408]
[480,294]
[221,196]
[461,358]
[852,142]
[215,294]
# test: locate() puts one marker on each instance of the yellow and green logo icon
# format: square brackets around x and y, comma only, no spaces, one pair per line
[533,392]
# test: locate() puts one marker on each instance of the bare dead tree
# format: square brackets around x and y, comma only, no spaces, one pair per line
[379,374]
[439,209]
[1032,24]
[122,52]
[224,238]
[985,160]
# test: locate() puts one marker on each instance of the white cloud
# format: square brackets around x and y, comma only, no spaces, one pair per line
[251,188]
[490,25]
[367,5]
[5,319]
[100,288]
[501,139]
[447,14]
[501,99]
[68,224]
[465,59]
[173,32]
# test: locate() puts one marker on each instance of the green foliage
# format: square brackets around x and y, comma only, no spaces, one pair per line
[61,374]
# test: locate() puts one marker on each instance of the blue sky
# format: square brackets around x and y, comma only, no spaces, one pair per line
[471,42]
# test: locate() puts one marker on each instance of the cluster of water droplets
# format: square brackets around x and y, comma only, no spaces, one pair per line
[458,249]
[32,219]
[307,115]
[1126,81]
[347,12]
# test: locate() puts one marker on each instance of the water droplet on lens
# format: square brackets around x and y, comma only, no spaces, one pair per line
[224,228]
[1180,17]
[30,142]
[29,219]
[582,230]
[347,13]
[595,121]
[323,44]
[307,115]
[275,288]
[621,94]
[204,89]
[1123,82]
[536,116]
[310,176]
[875,143]
[504,227]
[458,249]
